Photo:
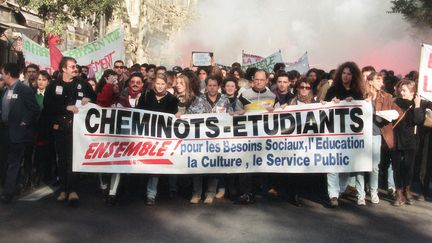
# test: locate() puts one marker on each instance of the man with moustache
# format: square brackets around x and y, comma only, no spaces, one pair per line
[60,101]
[31,73]
[18,113]
[133,92]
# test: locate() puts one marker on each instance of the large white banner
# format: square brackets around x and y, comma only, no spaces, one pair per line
[425,74]
[98,55]
[304,139]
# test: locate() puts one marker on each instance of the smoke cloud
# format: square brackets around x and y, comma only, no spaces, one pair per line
[331,31]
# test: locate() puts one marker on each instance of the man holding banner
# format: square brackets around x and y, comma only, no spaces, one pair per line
[257,98]
[62,97]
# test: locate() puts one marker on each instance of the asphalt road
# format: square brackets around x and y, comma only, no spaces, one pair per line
[176,220]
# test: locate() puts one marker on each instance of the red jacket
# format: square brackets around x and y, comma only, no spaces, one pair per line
[107,98]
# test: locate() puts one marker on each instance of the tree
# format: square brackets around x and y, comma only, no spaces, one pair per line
[58,13]
[158,21]
[418,12]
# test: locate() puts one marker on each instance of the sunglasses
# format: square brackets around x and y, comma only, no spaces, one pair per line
[118,66]
[305,87]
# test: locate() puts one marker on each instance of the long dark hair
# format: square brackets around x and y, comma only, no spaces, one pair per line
[102,81]
[356,85]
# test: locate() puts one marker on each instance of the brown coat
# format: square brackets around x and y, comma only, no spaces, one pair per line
[384,101]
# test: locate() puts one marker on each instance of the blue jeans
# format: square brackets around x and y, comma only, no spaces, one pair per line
[336,183]
[390,178]
[373,175]
[152,184]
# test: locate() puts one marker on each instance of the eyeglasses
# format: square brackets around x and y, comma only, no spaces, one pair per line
[72,66]
[305,87]
[118,66]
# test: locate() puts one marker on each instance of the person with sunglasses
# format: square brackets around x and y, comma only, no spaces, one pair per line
[61,96]
[294,182]
[119,68]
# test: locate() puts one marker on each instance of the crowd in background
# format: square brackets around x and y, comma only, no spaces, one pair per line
[37,111]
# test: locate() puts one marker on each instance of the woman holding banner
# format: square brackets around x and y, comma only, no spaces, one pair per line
[348,86]
[160,100]
[304,95]
[108,95]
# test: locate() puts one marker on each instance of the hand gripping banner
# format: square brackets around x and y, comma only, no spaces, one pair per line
[312,138]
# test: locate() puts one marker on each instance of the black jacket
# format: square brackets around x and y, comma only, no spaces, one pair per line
[23,113]
[405,135]
[148,101]
[59,95]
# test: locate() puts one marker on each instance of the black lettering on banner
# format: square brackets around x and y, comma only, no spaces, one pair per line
[137,125]
[298,122]
[326,121]
[255,119]
[342,112]
[283,118]
[197,122]
[275,126]
[120,121]
[237,126]
[211,124]
[105,120]
[153,126]
[164,126]
[89,127]
[355,117]
[177,125]
[310,123]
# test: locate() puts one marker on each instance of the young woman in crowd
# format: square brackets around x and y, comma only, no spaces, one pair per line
[160,100]
[108,95]
[382,130]
[92,82]
[202,74]
[184,93]
[230,89]
[348,86]
[411,115]
[43,150]
[296,182]
[237,73]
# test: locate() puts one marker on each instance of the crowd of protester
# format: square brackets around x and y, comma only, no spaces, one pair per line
[37,112]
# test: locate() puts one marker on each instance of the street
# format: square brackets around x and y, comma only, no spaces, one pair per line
[176,220]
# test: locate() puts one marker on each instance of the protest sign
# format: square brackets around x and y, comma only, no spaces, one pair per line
[98,55]
[301,65]
[248,59]
[301,139]
[425,73]
[266,63]
[202,58]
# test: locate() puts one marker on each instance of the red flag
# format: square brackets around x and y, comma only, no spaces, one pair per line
[55,53]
